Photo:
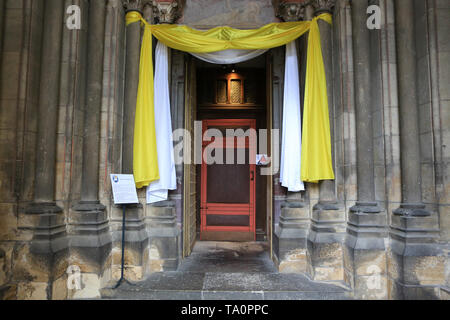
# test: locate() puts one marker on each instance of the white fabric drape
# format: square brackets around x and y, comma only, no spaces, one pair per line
[291,146]
[229,56]
[158,190]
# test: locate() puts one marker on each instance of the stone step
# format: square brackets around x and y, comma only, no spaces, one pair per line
[227,286]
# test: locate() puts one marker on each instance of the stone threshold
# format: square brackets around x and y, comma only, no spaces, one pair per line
[178,285]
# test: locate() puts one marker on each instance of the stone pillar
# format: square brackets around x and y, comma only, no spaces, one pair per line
[49,243]
[290,234]
[96,37]
[2,19]
[48,106]
[414,229]
[90,237]
[133,45]
[326,236]
[364,251]
[327,192]
[409,122]
[136,238]
[164,233]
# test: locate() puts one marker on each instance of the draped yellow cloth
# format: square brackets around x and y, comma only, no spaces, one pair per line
[316,144]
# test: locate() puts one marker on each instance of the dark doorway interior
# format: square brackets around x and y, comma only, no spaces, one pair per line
[235,92]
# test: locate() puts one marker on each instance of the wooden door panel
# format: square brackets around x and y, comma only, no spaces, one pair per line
[228,190]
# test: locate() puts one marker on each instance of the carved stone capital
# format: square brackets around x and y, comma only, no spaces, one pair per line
[133,5]
[323,6]
[167,12]
[288,10]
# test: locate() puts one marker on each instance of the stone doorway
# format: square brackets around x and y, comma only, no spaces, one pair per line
[241,91]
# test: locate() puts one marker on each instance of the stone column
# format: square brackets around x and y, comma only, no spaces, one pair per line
[90,237]
[48,106]
[136,238]
[96,42]
[164,233]
[327,192]
[133,45]
[409,122]
[364,251]
[49,221]
[326,236]
[48,249]
[2,19]
[290,235]
[303,50]
[414,228]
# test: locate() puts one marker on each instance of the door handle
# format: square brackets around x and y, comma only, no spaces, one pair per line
[252,173]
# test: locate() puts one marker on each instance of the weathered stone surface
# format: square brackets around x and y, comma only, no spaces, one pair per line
[293,261]
[59,288]
[29,267]
[5,262]
[32,291]
[8,218]
[326,261]
[8,292]
[371,287]
[235,13]
[90,287]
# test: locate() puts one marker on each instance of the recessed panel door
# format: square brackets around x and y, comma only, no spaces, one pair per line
[228,181]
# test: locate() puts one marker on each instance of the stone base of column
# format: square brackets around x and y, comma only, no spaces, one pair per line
[44,259]
[90,248]
[365,251]
[289,241]
[416,262]
[164,250]
[325,242]
[136,243]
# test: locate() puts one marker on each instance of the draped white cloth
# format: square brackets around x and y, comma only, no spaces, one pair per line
[158,190]
[291,145]
[229,56]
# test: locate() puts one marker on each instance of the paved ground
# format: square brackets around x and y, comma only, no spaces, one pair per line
[226,270]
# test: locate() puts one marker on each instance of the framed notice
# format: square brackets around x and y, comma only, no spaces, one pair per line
[124,189]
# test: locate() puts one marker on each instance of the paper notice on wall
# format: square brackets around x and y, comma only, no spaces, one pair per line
[262,160]
[124,189]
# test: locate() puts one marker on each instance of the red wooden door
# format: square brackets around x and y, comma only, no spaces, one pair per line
[228,186]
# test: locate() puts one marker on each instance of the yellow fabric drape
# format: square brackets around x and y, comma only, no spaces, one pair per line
[316,148]
[316,139]
[145,156]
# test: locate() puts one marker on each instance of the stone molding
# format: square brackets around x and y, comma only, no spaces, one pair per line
[167,12]
[133,5]
[290,11]
[323,6]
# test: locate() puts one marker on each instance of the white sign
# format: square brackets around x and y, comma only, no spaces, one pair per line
[262,159]
[124,189]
